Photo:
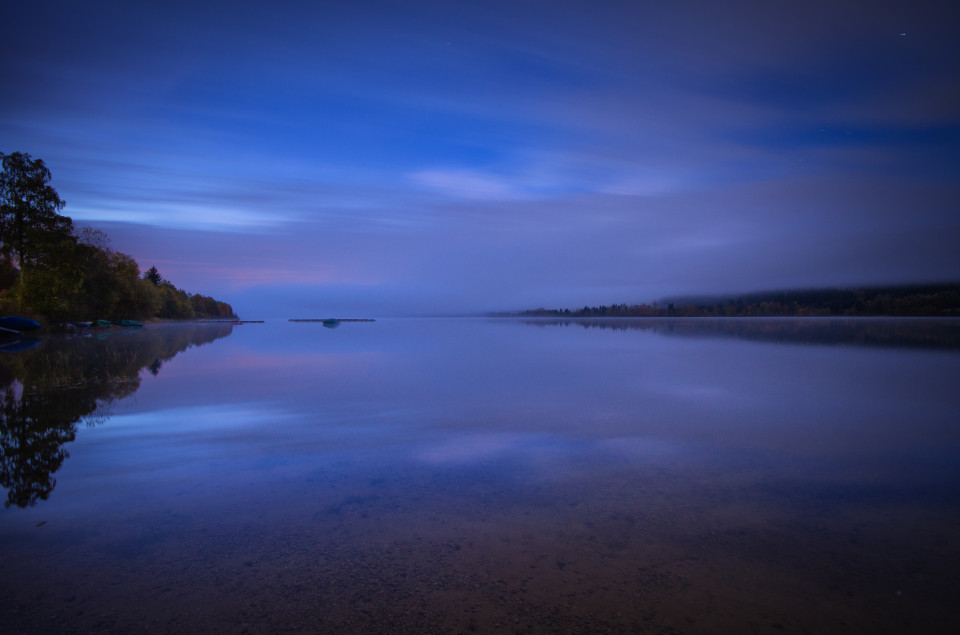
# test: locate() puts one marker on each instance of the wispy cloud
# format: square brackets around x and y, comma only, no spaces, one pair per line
[180,216]
[470,184]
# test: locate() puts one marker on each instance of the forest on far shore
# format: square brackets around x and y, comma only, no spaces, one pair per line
[934,300]
[54,272]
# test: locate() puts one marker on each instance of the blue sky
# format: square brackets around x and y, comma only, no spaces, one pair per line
[303,159]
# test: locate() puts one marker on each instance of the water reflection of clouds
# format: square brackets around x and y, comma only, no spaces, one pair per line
[191,420]
[542,450]
[316,361]
[476,447]
[459,394]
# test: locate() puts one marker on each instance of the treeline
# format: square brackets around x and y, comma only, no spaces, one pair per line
[175,304]
[51,270]
[907,300]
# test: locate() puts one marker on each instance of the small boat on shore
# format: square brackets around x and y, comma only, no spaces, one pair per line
[127,323]
[17,323]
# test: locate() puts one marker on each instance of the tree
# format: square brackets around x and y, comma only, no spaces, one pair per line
[153,276]
[30,225]
[96,238]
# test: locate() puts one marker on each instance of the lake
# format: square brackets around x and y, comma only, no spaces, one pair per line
[480,475]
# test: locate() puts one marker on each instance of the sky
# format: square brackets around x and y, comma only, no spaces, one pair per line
[375,158]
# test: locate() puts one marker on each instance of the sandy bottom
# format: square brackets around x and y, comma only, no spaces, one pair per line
[646,550]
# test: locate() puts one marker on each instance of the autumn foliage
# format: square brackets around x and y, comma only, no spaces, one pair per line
[51,270]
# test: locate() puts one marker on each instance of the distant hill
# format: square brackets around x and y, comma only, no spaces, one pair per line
[941,299]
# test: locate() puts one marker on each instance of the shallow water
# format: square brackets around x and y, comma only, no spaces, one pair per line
[459,475]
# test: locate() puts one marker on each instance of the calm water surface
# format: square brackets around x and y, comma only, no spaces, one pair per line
[465,475]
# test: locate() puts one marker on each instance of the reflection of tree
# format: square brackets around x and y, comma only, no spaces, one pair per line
[46,391]
[35,428]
